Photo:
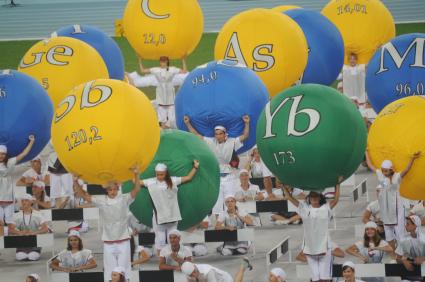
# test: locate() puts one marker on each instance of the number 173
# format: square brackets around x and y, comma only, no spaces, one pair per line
[283,158]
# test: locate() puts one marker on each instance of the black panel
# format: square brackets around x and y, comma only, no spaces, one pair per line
[284,247]
[356,195]
[337,270]
[156,276]
[146,239]
[86,277]
[364,188]
[273,256]
[260,182]
[94,189]
[398,270]
[67,214]
[20,241]
[272,206]
[221,236]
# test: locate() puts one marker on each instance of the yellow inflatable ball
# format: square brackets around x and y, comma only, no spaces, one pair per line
[61,63]
[103,128]
[268,42]
[284,8]
[364,25]
[396,134]
[163,28]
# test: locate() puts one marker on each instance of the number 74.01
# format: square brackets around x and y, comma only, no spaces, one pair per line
[283,158]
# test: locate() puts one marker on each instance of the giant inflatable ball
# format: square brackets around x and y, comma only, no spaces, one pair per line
[103,128]
[25,110]
[268,42]
[221,93]
[325,45]
[105,45]
[61,63]
[364,24]
[396,134]
[197,197]
[309,135]
[163,28]
[397,70]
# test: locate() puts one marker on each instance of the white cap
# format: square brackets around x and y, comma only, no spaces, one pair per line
[35,276]
[119,269]
[39,184]
[27,197]
[188,268]
[243,171]
[371,224]
[416,220]
[36,158]
[174,232]
[387,164]
[349,264]
[228,196]
[160,167]
[220,127]
[279,272]
[74,233]
[3,149]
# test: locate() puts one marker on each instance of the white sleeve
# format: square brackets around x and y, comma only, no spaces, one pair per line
[148,182]
[179,79]
[397,177]
[399,250]
[143,81]
[221,217]
[176,180]
[266,172]
[187,252]
[383,243]
[238,144]
[211,276]
[164,253]
[128,198]
[59,256]
[11,163]
[155,70]
[174,70]
[242,213]
[140,249]
[256,188]
[380,175]
[27,174]
[90,255]
[359,244]
[302,209]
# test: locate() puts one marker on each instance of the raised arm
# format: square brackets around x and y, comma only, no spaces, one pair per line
[186,120]
[369,162]
[335,201]
[288,196]
[410,164]
[80,192]
[192,173]
[143,70]
[184,65]
[27,149]
[354,251]
[137,182]
[245,133]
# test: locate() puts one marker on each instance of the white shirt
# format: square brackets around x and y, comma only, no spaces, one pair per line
[165,200]
[374,256]
[315,224]
[29,222]
[224,151]
[210,273]
[353,81]
[165,92]
[6,184]
[411,247]
[259,169]
[31,173]
[114,216]
[73,260]
[184,253]
[418,210]
[373,207]
[390,202]
[250,193]
[231,220]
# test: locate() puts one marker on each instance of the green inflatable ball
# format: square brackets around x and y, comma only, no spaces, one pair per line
[178,149]
[311,134]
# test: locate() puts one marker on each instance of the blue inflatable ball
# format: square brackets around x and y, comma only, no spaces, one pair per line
[25,109]
[396,70]
[221,93]
[104,45]
[326,46]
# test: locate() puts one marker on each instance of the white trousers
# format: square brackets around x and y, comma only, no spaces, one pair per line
[116,254]
[6,213]
[161,232]
[226,187]
[61,185]
[320,266]
[167,115]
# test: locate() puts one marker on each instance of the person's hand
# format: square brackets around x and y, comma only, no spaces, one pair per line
[186,119]
[31,138]
[196,164]
[230,228]
[365,259]
[408,265]
[246,118]
[135,169]
[416,155]
[178,268]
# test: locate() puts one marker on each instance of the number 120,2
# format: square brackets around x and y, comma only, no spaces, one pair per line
[79,137]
